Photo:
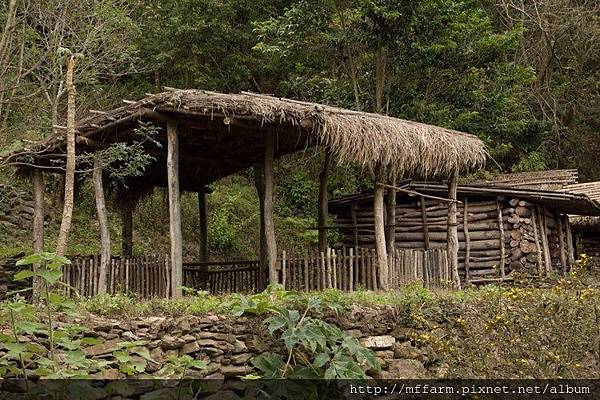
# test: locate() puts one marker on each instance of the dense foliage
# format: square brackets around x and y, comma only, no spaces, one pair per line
[523,77]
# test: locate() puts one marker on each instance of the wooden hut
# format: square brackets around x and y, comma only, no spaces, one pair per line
[205,136]
[586,231]
[509,225]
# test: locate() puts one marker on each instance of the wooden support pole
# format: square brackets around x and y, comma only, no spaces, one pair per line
[545,245]
[174,210]
[323,206]
[259,183]
[452,233]
[127,228]
[570,247]
[390,212]
[38,225]
[536,237]
[502,249]
[103,223]
[270,243]
[203,226]
[561,242]
[467,239]
[379,225]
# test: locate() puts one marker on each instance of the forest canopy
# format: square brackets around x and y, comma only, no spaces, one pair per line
[523,76]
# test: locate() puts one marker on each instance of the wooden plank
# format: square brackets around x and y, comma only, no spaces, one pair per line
[570,247]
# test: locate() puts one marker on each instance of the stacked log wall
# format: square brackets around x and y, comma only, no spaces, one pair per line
[490,222]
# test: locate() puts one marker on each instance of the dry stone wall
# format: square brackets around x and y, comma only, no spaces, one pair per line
[228,344]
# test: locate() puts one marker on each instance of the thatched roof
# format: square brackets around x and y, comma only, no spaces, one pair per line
[406,147]
[537,180]
[585,223]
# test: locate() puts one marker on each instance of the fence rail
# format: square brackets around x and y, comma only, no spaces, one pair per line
[346,269]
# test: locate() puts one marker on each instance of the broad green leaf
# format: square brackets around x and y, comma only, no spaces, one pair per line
[19,276]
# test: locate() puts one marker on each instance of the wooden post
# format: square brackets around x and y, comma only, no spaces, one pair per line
[259,183]
[127,228]
[390,212]
[174,209]
[536,237]
[502,249]
[323,206]
[545,246]
[270,242]
[570,249]
[203,250]
[467,239]
[561,242]
[452,233]
[38,225]
[378,220]
[103,222]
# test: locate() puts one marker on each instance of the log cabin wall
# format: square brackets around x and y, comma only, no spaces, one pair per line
[501,234]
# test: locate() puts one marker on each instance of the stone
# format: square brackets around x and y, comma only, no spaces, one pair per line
[241,358]
[188,338]
[190,347]
[101,348]
[184,325]
[405,350]
[234,370]
[157,354]
[239,347]
[406,369]
[151,322]
[215,376]
[207,343]
[223,395]
[169,342]
[378,342]
[129,336]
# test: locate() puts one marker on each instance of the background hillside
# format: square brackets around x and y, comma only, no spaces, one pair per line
[525,80]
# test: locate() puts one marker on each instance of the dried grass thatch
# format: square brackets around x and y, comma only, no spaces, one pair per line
[585,223]
[368,140]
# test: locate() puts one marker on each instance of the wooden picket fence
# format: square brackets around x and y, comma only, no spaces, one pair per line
[148,276]
[346,269]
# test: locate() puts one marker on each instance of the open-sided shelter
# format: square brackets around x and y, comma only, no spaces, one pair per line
[206,136]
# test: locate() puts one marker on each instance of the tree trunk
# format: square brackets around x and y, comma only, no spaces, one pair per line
[323,206]
[67,214]
[270,243]
[378,220]
[38,226]
[380,64]
[103,222]
[453,230]
[127,228]
[9,27]
[174,210]
[259,182]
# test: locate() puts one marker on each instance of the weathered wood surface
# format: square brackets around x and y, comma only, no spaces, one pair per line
[174,209]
